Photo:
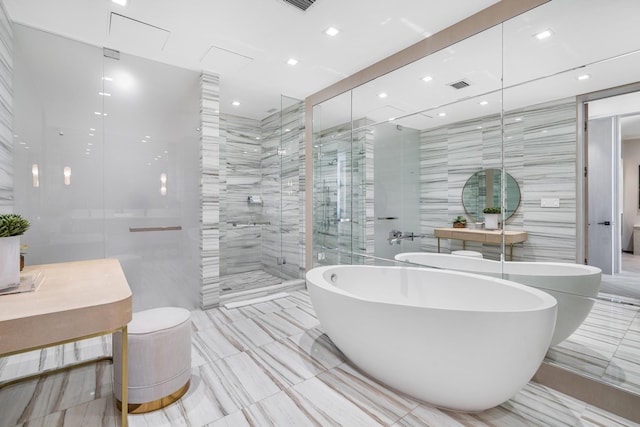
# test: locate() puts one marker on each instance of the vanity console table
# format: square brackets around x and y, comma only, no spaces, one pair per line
[493,237]
[75,300]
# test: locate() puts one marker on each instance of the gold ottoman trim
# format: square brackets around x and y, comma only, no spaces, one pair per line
[141,408]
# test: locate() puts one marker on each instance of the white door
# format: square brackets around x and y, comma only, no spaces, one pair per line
[601,184]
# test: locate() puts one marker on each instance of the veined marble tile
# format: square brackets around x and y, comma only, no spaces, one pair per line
[100,412]
[212,344]
[299,317]
[278,326]
[317,344]
[54,393]
[285,363]
[374,398]
[328,407]
[249,334]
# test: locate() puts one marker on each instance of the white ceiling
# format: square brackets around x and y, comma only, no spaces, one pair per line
[248,42]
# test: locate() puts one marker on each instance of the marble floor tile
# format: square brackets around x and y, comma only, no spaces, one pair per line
[270,364]
[55,393]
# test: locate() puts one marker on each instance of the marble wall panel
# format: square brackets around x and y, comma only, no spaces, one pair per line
[6,112]
[539,152]
[240,233]
[212,154]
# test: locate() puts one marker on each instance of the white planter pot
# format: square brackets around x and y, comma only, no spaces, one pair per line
[491,221]
[9,261]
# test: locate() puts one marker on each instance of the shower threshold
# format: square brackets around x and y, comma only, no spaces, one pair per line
[255,284]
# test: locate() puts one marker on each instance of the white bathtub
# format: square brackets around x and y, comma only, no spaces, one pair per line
[573,285]
[459,341]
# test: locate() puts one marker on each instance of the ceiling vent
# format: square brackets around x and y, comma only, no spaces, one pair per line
[303,5]
[460,84]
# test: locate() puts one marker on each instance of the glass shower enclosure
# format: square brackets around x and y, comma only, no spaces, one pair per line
[260,225]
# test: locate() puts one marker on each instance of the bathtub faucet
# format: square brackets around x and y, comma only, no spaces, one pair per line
[396,236]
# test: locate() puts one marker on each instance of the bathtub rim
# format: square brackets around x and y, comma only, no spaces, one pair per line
[315,276]
[591,269]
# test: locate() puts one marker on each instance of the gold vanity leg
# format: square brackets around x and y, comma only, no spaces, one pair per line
[511,253]
[438,245]
[125,377]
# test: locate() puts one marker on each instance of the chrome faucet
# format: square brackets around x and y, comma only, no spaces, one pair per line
[395,236]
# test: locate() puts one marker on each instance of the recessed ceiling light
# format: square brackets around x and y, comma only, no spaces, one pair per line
[483,103]
[332,31]
[120,2]
[104,94]
[382,95]
[292,61]
[584,77]
[518,119]
[442,114]
[427,78]
[108,79]
[544,34]
[91,134]
[92,129]
[236,103]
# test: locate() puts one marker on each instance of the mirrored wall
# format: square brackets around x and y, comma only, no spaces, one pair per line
[392,158]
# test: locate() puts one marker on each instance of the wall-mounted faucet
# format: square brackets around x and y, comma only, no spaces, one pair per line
[395,236]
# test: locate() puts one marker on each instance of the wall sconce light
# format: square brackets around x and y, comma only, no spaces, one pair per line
[163,184]
[36,175]
[67,175]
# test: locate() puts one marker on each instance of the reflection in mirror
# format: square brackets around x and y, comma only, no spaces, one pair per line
[482,190]
[534,123]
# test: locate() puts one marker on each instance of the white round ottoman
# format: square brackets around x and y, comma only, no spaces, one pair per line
[472,254]
[159,356]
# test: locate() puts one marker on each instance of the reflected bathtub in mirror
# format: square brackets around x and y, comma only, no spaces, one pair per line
[573,285]
[459,341]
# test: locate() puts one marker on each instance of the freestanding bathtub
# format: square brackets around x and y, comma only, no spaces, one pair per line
[573,285]
[459,341]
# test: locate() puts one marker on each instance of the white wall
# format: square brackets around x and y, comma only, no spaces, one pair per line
[631,212]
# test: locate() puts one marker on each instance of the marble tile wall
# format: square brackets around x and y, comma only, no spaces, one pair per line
[240,236]
[6,112]
[212,189]
[540,153]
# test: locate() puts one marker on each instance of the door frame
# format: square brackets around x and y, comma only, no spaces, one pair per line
[582,161]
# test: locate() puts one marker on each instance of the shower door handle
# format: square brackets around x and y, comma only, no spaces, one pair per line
[605,223]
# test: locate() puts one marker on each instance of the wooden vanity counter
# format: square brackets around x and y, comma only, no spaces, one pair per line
[493,237]
[75,300]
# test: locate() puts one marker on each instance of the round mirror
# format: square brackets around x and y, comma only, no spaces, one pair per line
[482,190]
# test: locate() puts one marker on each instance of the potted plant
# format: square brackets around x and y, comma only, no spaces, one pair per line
[459,222]
[12,226]
[492,217]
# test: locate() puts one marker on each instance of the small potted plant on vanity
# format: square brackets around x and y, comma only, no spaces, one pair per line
[12,226]
[491,217]
[459,222]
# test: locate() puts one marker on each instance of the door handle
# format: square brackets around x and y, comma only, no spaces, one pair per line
[605,223]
